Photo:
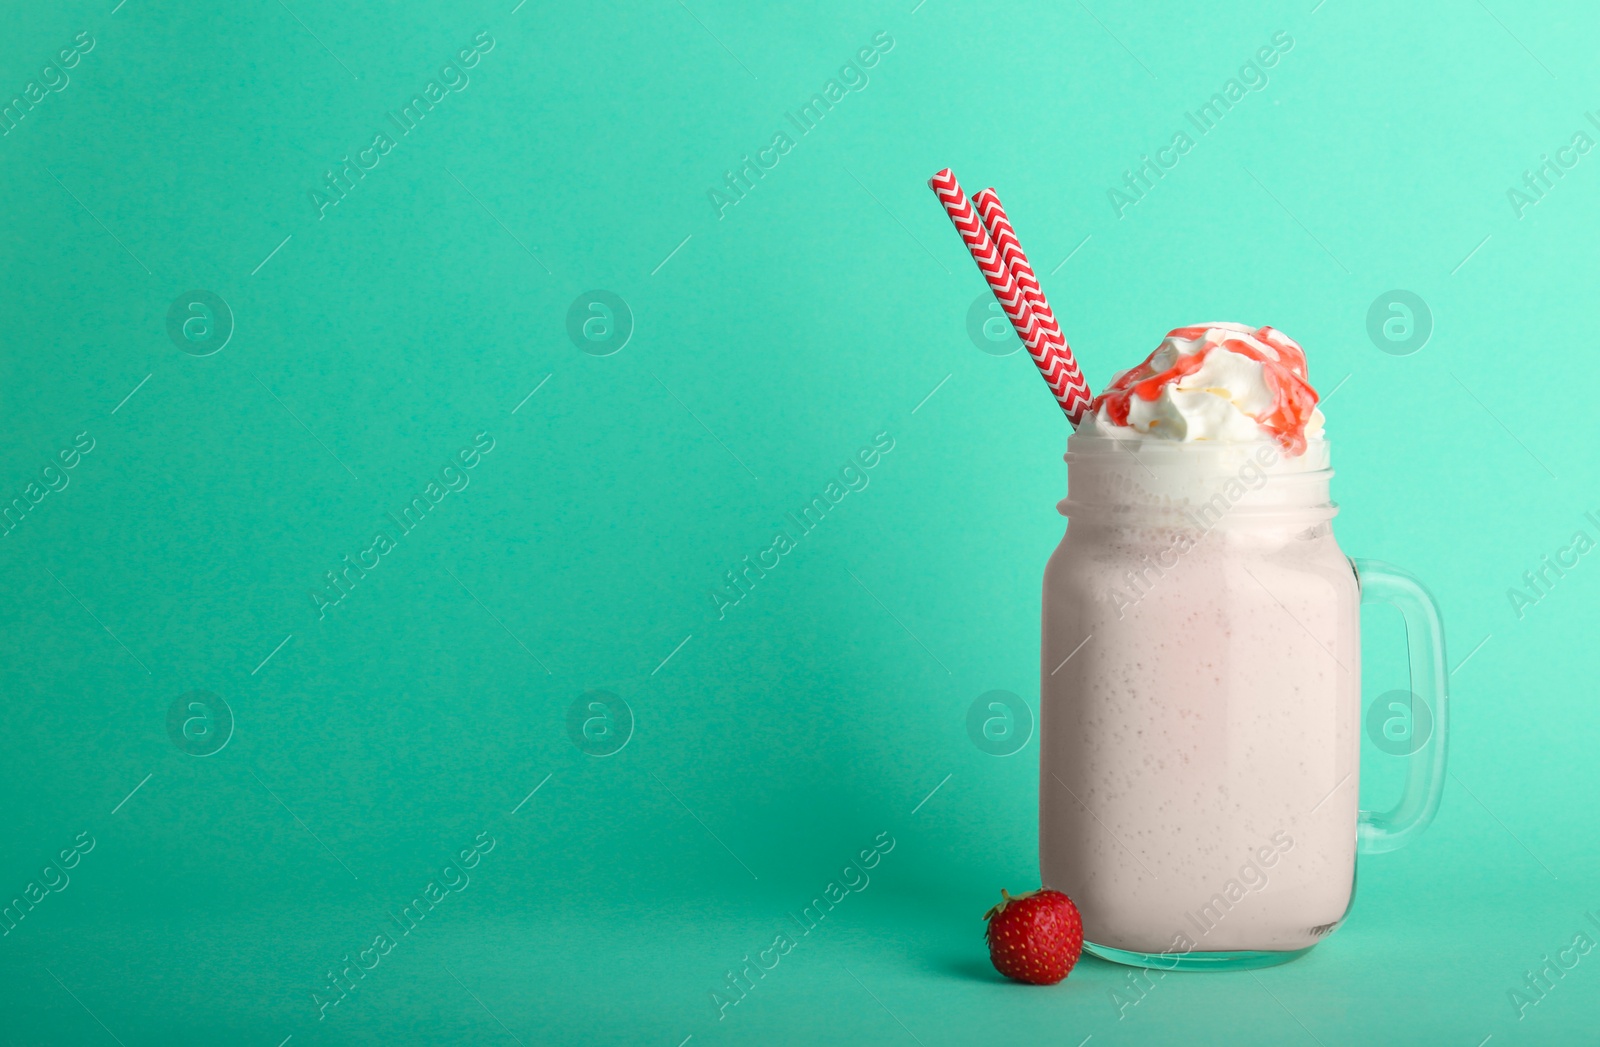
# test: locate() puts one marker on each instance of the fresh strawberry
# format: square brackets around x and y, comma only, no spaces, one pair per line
[1035,937]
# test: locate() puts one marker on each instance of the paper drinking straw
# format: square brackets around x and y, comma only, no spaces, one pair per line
[994,219]
[1046,355]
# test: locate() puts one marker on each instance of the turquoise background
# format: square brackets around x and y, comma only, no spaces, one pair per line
[769,346]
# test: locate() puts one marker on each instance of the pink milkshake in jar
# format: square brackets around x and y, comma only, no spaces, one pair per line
[1200,702]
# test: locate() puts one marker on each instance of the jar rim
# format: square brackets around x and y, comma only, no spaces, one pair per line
[1089,446]
[1128,480]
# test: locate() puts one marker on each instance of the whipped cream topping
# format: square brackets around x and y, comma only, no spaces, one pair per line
[1229,383]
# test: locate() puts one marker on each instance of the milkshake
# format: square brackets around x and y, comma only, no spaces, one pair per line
[1200,676]
[1200,670]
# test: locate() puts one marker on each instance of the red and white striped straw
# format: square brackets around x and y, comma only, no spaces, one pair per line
[1011,253]
[1047,353]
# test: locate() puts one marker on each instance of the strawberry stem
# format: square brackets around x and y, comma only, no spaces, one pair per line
[1006,898]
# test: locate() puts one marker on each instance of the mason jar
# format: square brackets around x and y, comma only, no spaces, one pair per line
[1200,703]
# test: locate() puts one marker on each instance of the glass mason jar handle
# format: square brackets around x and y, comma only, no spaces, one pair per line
[1380,831]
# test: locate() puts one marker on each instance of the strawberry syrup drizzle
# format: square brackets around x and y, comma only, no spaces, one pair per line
[1283,370]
